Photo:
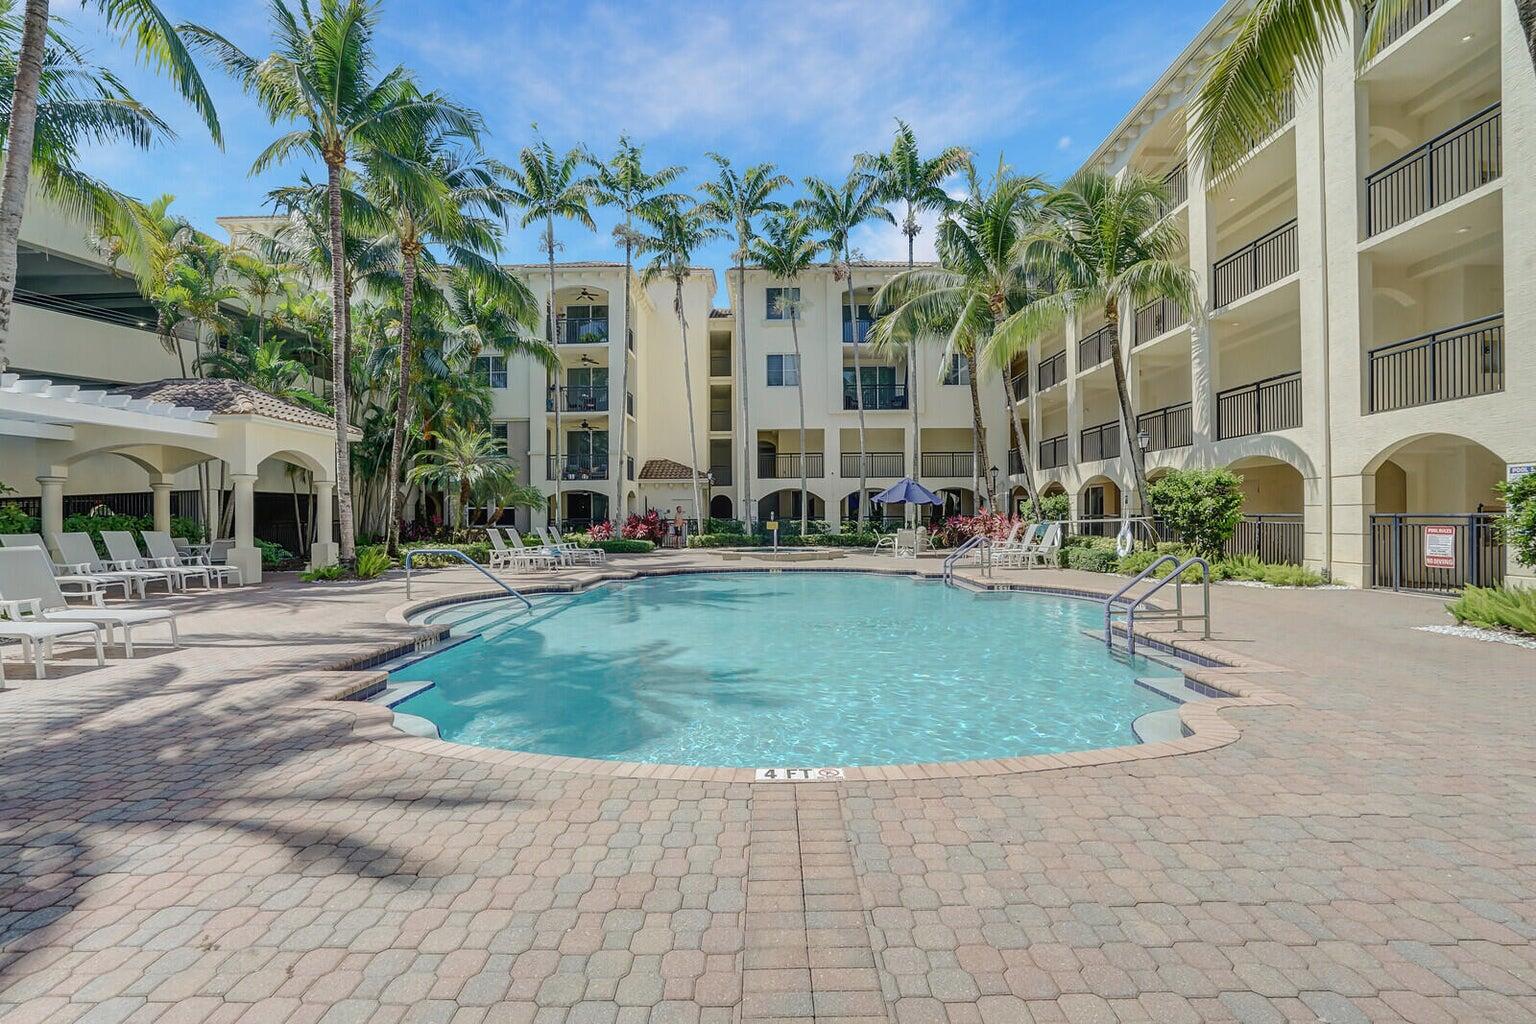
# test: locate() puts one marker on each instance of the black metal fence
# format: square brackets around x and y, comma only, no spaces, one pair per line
[876,396]
[1176,182]
[1051,371]
[1273,403]
[1457,362]
[123,503]
[1096,348]
[876,464]
[1412,13]
[1100,442]
[1260,263]
[1273,538]
[948,463]
[582,330]
[580,398]
[578,467]
[786,465]
[1169,427]
[1053,452]
[1449,165]
[1436,553]
[1157,318]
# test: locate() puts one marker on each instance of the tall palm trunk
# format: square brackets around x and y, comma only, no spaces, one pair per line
[298,518]
[979,445]
[402,397]
[693,434]
[917,432]
[748,443]
[805,498]
[18,156]
[621,474]
[340,322]
[1127,414]
[1021,446]
[858,388]
[549,248]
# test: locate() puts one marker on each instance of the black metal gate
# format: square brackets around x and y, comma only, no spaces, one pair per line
[1436,553]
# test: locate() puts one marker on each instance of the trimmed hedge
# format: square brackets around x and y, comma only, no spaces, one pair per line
[480,552]
[724,540]
[1091,559]
[623,546]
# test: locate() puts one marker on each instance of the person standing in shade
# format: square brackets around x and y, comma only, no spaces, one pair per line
[679,528]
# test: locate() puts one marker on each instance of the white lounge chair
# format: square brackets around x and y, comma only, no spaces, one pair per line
[1043,555]
[163,549]
[78,578]
[535,558]
[79,554]
[1022,539]
[26,576]
[18,621]
[125,550]
[570,554]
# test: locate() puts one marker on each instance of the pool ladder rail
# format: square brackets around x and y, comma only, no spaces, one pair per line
[981,545]
[461,556]
[1122,602]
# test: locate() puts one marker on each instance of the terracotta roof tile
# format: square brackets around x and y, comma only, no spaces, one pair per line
[222,396]
[665,469]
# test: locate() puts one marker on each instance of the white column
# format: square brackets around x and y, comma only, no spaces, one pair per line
[160,494]
[53,504]
[245,554]
[324,551]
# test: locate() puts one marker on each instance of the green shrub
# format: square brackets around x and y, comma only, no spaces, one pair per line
[272,554]
[713,525]
[1137,562]
[842,540]
[791,527]
[1502,607]
[324,574]
[1056,507]
[1518,524]
[1081,541]
[576,540]
[1238,567]
[372,561]
[1203,506]
[14,520]
[723,540]
[480,551]
[185,527]
[622,546]
[1092,559]
[1291,576]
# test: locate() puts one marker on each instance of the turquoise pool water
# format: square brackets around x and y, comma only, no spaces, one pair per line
[783,669]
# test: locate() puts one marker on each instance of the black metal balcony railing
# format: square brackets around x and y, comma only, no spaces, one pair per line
[1095,349]
[1446,167]
[879,464]
[1285,113]
[719,364]
[629,467]
[1412,13]
[856,328]
[786,465]
[580,398]
[1021,384]
[1176,183]
[1051,371]
[876,396]
[1156,319]
[1260,263]
[958,464]
[719,419]
[578,467]
[1015,464]
[1172,426]
[1457,362]
[581,330]
[1273,403]
[1099,442]
[1053,452]
[720,475]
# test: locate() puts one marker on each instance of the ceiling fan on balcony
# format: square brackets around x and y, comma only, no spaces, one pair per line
[586,295]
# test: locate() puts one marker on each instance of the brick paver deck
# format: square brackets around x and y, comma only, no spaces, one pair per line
[198,835]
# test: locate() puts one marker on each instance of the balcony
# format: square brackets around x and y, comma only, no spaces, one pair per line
[877,397]
[1273,403]
[1259,264]
[719,364]
[580,398]
[720,476]
[1172,426]
[1156,319]
[1021,384]
[956,464]
[1176,184]
[578,467]
[1053,452]
[878,464]
[719,419]
[1446,167]
[786,466]
[581,330]
[1413,13]
[856,329]
[1096,348]
[1456,362]
[1051,371]
[1285,113]
[1099,442]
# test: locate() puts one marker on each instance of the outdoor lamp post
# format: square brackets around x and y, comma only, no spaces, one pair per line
[992,480]
[1143,439]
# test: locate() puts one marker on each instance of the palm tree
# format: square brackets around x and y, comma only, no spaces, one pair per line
[785,250]
[1277,42]
[836,210]
[323,75]
[465,460]
[918,185]
[266,366]
[623,182]
[545,186]
[981,279]
[150,240]
[33,79]
[735,201]
[262,281]
[1102,244]
[680,228]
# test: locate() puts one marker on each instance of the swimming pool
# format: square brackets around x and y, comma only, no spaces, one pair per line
[762,669]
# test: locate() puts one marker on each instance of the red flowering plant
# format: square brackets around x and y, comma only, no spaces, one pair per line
[600,531]
[647,527]
[956,530]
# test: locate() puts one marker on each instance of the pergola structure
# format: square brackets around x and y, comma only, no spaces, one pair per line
[167,426]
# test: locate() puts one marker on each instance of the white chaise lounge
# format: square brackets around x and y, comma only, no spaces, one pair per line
[125,550]
[26,576]
[79,554]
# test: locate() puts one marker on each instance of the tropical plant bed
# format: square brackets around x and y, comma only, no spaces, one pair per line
[1487,636]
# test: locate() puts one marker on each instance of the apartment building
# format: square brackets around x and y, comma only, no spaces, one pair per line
[1363,355]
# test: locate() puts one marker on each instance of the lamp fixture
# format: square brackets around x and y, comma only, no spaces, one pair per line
[1143,439]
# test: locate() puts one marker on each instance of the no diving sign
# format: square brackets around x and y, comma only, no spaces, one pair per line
[800,775]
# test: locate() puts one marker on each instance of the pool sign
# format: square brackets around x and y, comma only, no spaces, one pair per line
[1439,547]
[800,775]
[1515,470]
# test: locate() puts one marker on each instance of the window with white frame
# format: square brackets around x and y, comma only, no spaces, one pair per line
[499,435]
[491,370]
[958,371]
[783,303]
[783,371]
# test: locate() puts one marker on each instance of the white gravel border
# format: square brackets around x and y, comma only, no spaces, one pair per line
[1487,636]
[1270,586]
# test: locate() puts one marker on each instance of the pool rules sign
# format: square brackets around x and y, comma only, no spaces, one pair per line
[1439,547]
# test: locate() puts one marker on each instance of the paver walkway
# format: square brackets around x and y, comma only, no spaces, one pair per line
[192,837]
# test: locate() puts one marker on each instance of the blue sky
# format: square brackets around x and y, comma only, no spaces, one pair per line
[804,85]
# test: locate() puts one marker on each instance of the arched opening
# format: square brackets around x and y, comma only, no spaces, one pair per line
[958,501]
[875,514]
[784,505]
[720,507]
[582,509]
[1098,507]
[1433,516]
[1274,494]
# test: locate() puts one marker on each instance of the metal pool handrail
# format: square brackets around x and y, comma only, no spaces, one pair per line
[461,556]
[1177,613]
[954,556]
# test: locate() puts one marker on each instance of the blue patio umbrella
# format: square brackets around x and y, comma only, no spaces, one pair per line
[907,490]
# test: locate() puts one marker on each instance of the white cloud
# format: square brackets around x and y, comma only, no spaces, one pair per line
[1064,143]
